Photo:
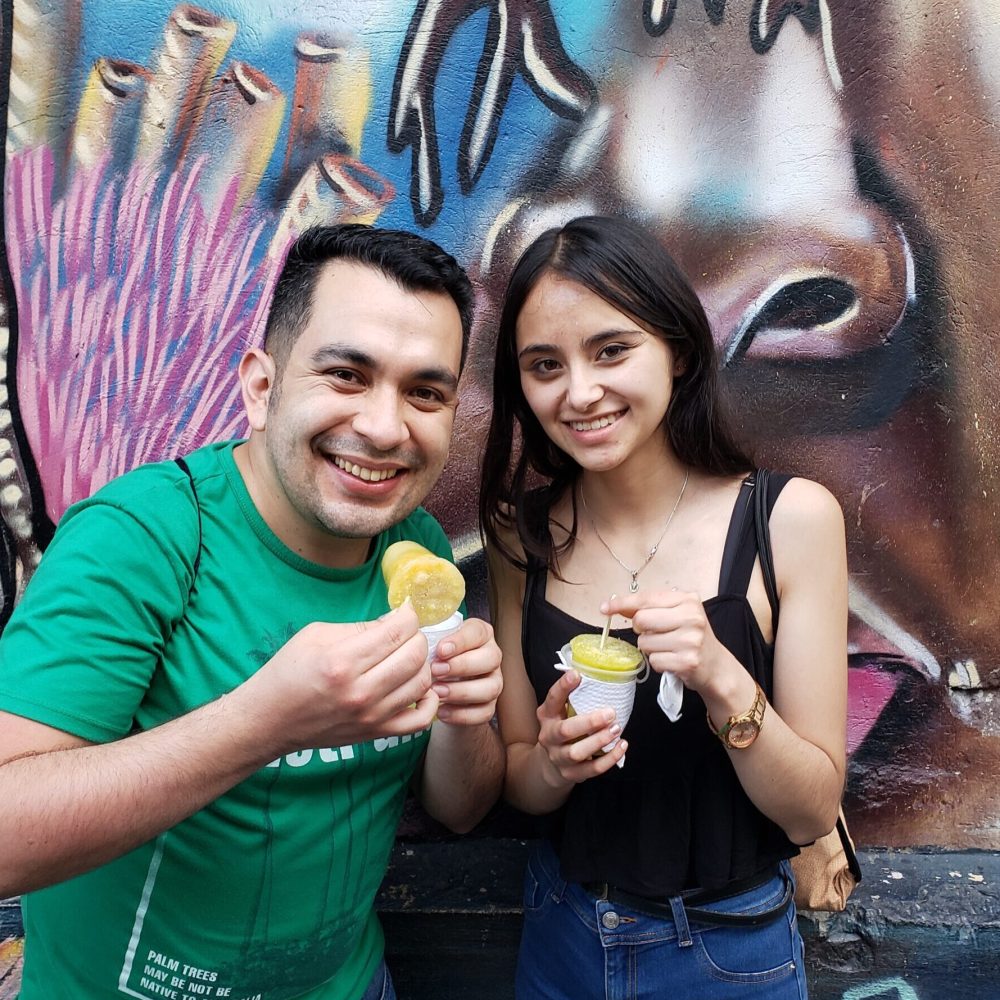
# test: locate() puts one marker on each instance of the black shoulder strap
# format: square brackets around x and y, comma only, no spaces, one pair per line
[737,555]
[531,577]
[763,530]
[187,472]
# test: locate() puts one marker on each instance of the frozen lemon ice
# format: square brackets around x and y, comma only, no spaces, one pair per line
[397,553]
[617,656]
[434,586]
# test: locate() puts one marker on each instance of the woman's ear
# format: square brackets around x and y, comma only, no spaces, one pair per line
[257,383]
[680,367]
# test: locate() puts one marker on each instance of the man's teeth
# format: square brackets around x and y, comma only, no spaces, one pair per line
[593,425]
[368,475]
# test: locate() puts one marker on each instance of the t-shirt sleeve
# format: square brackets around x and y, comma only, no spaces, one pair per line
[80,649]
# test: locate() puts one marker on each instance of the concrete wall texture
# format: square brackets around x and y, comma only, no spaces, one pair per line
[827,171]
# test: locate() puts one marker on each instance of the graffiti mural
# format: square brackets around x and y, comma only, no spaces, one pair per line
[827,171]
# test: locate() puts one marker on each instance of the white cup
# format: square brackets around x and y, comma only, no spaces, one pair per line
[435,633]
[614,689]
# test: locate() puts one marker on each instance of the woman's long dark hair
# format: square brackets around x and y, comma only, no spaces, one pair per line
[629,268]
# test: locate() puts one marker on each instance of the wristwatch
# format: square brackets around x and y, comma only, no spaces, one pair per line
[741,730]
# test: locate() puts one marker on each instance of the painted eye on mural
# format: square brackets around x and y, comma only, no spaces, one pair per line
[799,308]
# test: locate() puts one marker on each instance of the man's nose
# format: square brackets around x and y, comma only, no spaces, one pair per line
[381,419]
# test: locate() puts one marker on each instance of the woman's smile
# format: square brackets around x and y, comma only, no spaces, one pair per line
[596,423]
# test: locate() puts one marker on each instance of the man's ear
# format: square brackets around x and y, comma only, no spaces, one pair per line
[257,383]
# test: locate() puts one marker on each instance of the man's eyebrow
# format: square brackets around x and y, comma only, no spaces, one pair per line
[442,376]
[345,353]
[342,352]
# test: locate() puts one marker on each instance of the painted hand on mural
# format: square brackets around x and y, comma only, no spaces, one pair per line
[521,37]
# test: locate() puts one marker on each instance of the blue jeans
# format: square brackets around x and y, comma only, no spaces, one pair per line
[380,987]
[577,947]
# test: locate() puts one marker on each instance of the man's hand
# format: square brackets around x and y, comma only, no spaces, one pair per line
[336,684]
[463,769]
[467,678]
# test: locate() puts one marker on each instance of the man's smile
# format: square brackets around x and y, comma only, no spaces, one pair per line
[366,473]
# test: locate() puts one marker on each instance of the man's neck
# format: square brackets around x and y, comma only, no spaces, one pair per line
[317,546]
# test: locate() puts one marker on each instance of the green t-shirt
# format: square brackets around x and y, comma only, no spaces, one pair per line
[266,893]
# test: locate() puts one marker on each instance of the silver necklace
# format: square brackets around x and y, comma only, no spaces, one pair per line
[634,573]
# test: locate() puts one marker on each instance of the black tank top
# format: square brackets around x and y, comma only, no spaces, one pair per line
[675,816]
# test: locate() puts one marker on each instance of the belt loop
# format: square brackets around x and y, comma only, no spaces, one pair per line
[559,886]
[684,939]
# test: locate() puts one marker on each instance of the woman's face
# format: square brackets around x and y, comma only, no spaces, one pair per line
[598,382]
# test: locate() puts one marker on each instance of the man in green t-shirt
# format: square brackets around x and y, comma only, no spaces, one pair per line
[208,715]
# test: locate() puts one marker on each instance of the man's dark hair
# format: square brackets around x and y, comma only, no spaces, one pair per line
[416,263]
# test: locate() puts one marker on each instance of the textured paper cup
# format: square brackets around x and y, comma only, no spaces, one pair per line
[435,633]
[614,689]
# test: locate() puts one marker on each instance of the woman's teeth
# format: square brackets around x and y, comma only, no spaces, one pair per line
[593,425]
[368,475]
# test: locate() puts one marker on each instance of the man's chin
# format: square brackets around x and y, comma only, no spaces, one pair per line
[359,519]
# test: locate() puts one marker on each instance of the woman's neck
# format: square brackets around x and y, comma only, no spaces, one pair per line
[632,494]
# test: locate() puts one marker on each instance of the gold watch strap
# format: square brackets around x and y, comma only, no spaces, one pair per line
[755,713]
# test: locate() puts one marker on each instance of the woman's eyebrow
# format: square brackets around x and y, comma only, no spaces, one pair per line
[538,349]
[592,341]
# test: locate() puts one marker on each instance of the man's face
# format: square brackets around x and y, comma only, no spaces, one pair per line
[357,423]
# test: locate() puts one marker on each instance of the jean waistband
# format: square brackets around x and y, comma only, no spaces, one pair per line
[694,899]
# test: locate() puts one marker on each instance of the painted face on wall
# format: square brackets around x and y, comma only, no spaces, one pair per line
[826,171]
[829,211]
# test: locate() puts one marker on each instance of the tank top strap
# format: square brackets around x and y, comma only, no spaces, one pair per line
[536,514]
[740,551]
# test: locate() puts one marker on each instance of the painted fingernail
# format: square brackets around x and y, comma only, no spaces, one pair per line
[446,648]
[615,729]
[439,669]
[441,690]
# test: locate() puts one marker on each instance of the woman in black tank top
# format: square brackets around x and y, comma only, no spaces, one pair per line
[664,868]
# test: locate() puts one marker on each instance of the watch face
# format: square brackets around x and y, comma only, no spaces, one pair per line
[743,733]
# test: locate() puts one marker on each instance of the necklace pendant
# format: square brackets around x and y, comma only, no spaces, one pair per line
[634,585]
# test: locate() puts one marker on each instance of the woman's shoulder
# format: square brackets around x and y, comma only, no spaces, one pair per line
[806,503]
[806,523]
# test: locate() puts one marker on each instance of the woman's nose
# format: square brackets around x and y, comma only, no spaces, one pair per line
[584,388]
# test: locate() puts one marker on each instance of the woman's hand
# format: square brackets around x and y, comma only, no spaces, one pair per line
[572,747]
[674,634]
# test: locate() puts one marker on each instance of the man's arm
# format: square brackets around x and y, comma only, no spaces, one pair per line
[69,806]
[463,769]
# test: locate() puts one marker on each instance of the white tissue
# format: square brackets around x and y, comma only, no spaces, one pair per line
[670,696]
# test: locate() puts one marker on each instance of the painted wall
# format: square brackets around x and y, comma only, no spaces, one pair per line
[826,170]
